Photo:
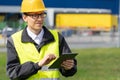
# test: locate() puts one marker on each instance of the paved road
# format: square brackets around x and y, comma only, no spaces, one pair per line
[92,45]
[2,44]
[2,49]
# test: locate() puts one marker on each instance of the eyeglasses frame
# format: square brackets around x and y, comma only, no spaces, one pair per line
[36,16]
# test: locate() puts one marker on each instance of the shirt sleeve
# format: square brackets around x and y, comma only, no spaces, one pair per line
[15,70]
[64,48]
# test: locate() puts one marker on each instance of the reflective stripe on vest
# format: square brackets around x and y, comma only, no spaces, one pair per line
[28,52]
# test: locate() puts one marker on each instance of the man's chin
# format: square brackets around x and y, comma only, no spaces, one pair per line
[38,27]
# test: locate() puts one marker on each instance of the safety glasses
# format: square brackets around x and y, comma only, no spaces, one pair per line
[36,16]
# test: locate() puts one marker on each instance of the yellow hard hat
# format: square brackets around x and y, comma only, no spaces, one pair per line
[32,6]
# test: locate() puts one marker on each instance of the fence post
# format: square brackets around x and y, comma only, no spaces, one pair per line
[119,26]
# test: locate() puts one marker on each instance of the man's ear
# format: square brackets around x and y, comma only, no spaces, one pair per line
[24,17]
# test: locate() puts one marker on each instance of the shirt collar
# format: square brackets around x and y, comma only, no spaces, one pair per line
[47,36]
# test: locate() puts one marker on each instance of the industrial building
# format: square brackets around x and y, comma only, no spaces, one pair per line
[85,13]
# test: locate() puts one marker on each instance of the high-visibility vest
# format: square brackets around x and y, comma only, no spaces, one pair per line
[28,52]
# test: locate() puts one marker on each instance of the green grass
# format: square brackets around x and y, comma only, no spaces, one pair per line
[93,64]
[2,66]
[97,64]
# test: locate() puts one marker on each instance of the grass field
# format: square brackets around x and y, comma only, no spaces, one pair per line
[93,64]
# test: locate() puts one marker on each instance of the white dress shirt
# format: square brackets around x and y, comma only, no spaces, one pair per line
[36,38]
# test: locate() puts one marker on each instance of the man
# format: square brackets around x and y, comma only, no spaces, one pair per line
[31,51]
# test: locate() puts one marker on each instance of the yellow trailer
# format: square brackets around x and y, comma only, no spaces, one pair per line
[93,21]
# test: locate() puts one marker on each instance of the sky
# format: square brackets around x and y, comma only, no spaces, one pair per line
[101,4]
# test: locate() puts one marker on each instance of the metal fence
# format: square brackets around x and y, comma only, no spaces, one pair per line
[86,40]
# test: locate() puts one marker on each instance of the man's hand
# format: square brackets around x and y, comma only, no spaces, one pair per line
[46,60]
[67,64]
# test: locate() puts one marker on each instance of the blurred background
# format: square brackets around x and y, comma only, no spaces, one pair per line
[84,23]
[91,28]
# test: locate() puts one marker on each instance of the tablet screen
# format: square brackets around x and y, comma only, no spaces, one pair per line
[63,57]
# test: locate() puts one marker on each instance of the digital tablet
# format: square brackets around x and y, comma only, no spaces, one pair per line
[63,57]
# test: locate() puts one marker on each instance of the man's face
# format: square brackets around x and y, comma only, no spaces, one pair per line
[34,20]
